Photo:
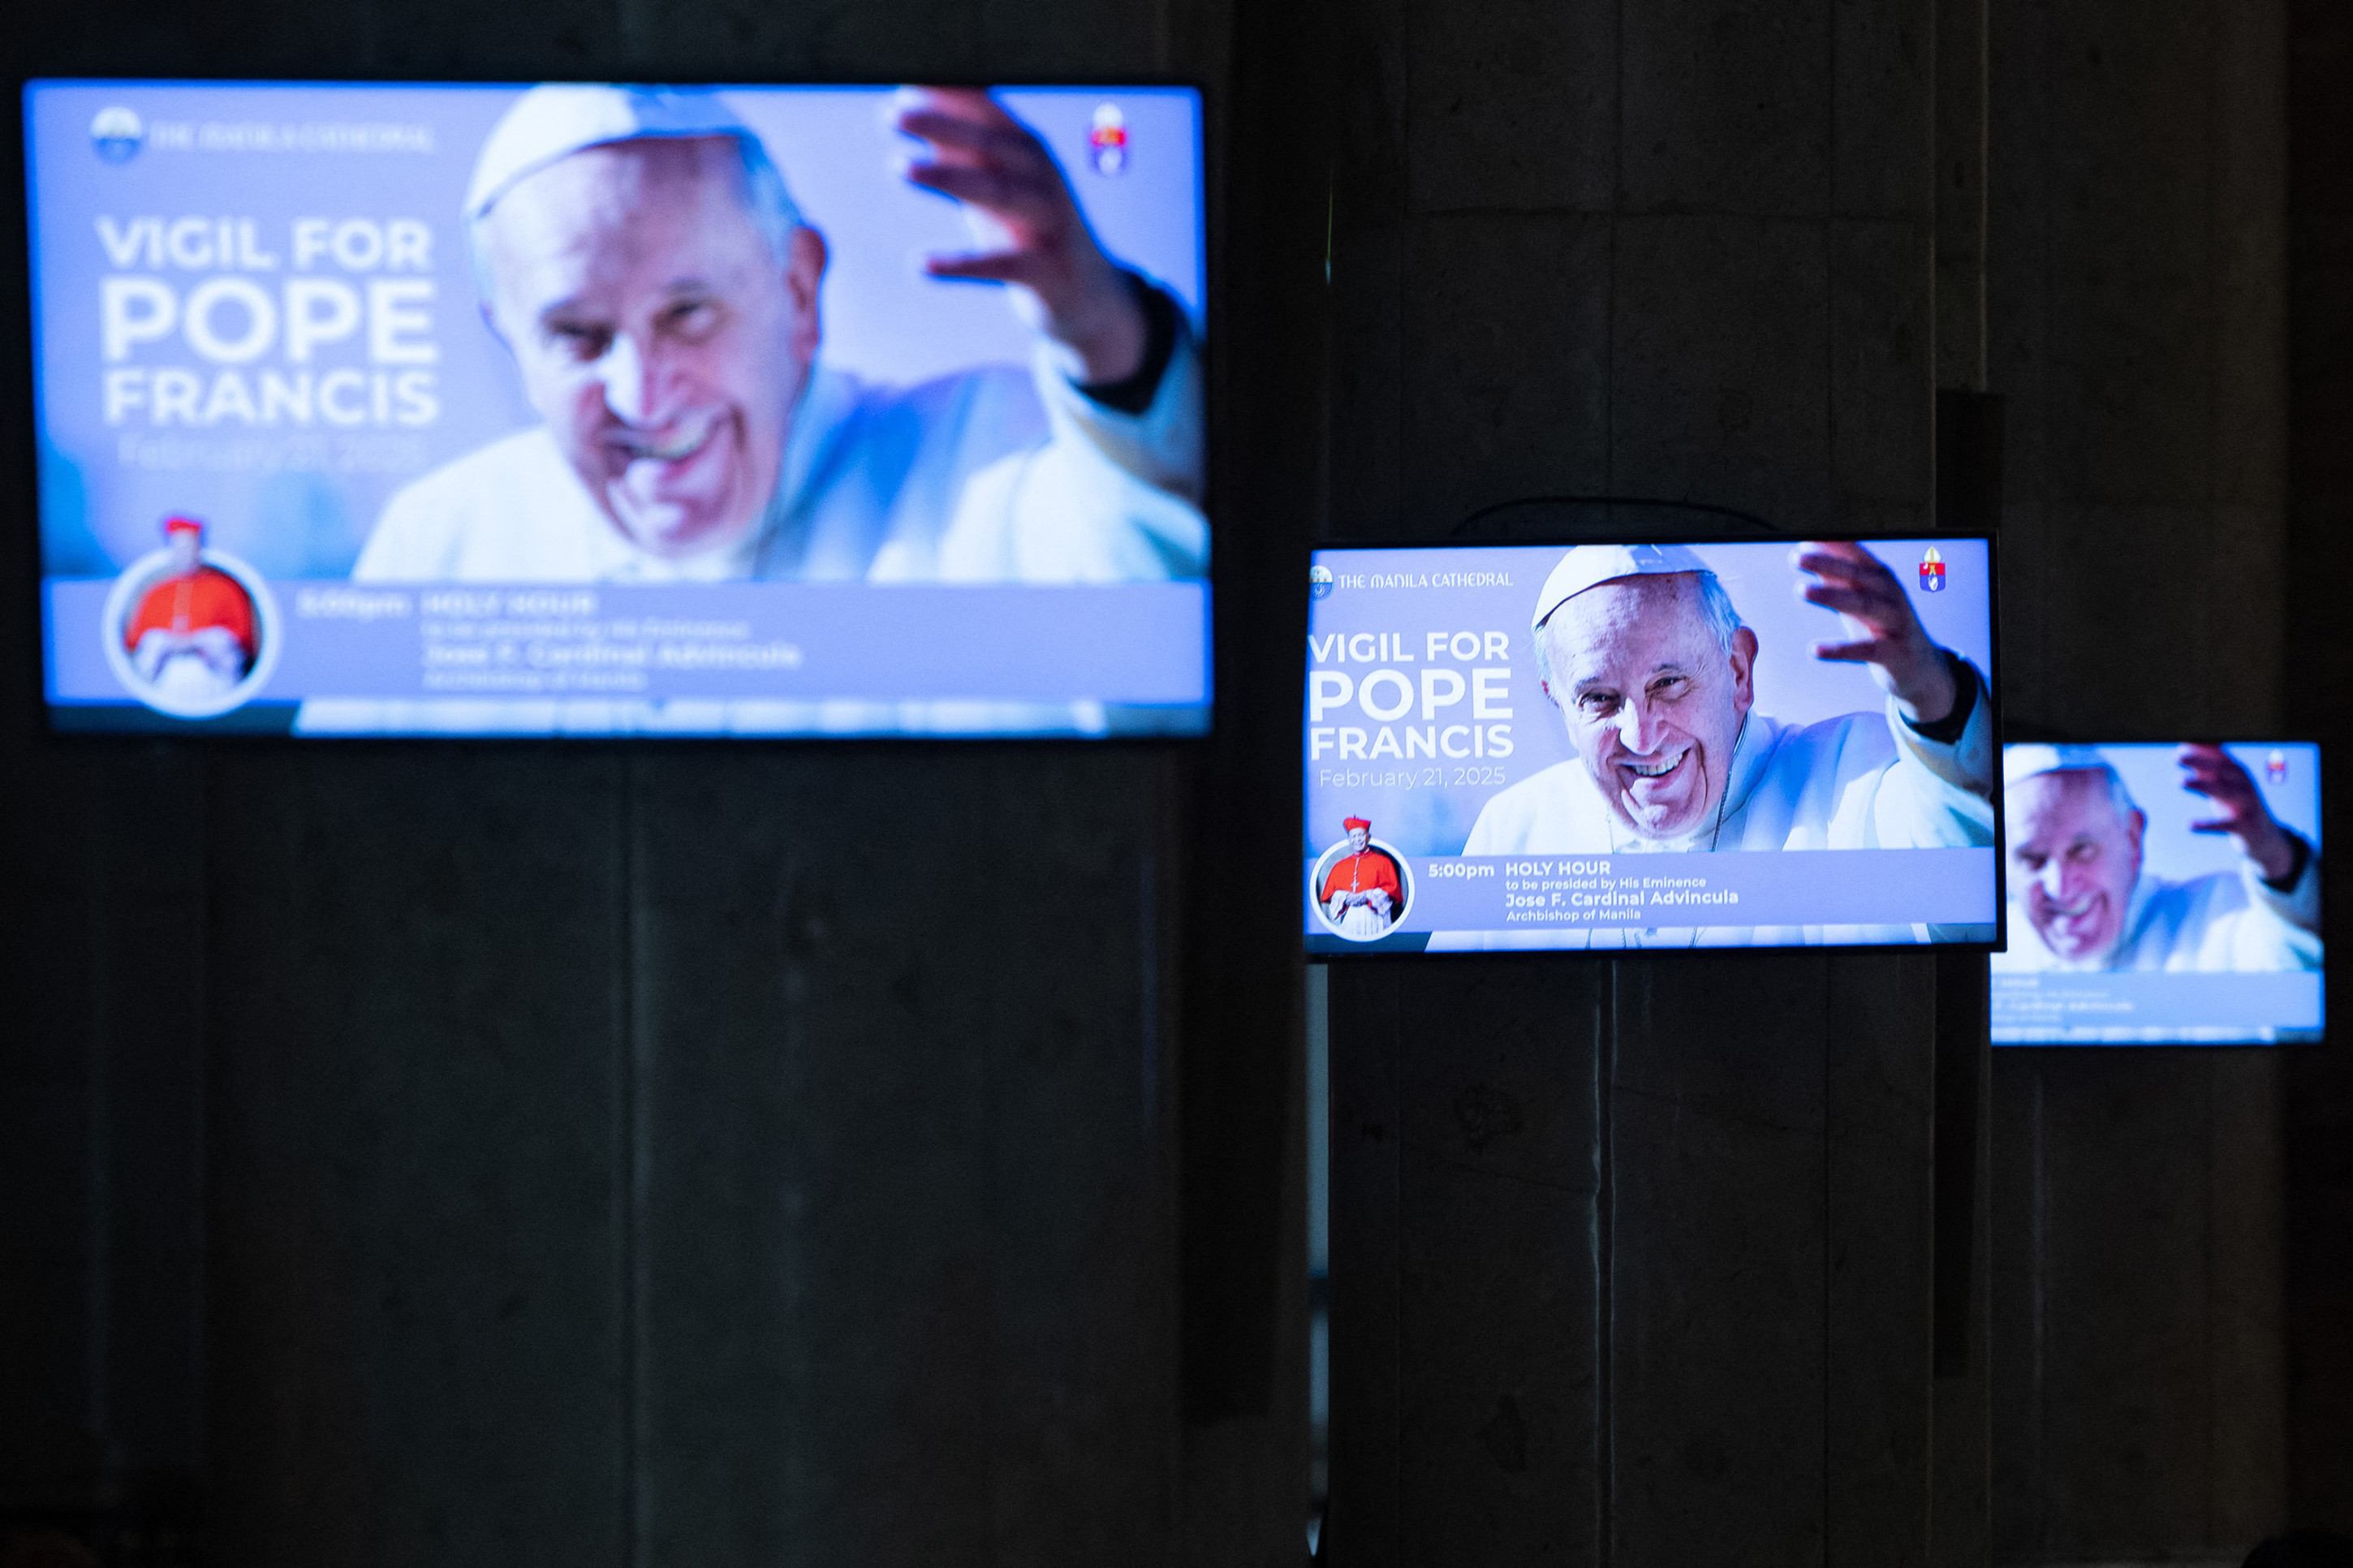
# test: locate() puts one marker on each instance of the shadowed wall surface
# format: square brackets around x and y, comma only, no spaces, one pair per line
[481,1153]
[2318,1085]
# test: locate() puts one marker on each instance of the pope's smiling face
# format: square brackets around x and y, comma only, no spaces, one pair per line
[1653,702]
[658,333]
[2074,858]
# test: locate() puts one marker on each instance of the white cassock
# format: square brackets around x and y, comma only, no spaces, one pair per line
[2223,922]
[1865,781]
[192,677]
[992,476]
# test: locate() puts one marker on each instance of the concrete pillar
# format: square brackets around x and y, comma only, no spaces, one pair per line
[1631,1259]
[1962,1486]
[2137,300]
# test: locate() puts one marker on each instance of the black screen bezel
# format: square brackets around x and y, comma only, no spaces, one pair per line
[1314,943]
[152,727]
[2161,1043]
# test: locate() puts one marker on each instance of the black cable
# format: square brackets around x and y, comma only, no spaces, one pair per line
[1748,518]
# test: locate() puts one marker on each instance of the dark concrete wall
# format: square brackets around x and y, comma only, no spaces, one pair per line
[2137,328]
[576,1155]
[473,1154]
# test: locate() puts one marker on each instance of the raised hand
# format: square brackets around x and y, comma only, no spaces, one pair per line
[1028,231]
[2239,811]
[1882,629]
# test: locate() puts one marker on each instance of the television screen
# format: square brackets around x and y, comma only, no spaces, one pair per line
[569,409]
[2161,894]
[1657,746]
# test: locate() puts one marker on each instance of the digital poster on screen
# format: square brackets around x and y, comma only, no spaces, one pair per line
[579,409]
[1658,745]
[2161,894]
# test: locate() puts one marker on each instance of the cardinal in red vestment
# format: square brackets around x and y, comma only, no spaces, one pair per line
[1360,892]
[193,631]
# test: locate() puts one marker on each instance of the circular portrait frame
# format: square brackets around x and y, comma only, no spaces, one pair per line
[135,579]
[1405,888]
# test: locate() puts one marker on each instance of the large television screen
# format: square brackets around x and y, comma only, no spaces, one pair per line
[575,409]
[1657,746]
[2161,895]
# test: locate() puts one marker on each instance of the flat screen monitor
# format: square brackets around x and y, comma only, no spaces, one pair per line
[570,409]
[1658,746]
[2161,895]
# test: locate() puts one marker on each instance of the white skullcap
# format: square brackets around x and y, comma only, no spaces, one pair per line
[2021,762]
[1591,565]
[555,120]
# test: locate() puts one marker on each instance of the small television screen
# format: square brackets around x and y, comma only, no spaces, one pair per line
[566,409]
[1654,746]
[2161,895]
